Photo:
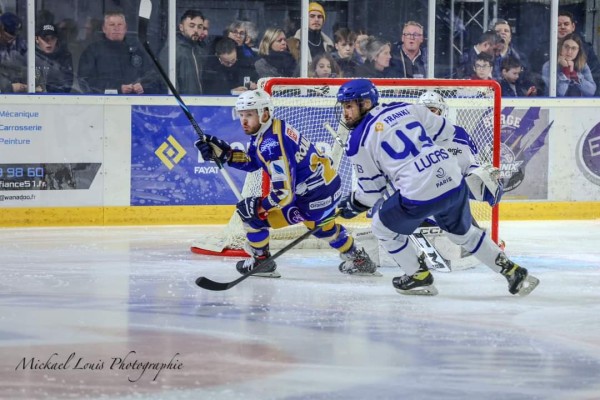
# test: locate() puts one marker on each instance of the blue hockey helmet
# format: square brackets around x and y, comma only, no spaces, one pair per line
[358,89]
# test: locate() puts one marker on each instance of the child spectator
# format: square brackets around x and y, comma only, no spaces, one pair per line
[344,45]
[324,66]
[487,44]
[483,66]
[510,83]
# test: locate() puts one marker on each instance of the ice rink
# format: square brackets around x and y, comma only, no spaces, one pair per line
[95,313]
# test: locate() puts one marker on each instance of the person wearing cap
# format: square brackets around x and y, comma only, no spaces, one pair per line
[114,65]
[53,63]
[318,42]
[13,55]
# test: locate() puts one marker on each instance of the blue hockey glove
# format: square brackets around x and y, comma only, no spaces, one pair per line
[213,148]
[247,209]
[350,207]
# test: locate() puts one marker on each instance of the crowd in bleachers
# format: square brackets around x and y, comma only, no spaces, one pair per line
[106,61]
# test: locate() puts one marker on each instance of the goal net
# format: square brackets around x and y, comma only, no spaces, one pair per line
[308,104]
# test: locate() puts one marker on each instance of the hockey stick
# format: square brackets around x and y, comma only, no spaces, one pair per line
[143,21]
[209,284]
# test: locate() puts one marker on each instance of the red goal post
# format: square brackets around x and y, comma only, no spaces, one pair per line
[308,104]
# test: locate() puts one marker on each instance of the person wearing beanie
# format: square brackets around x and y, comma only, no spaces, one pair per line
[13,55]
[318,42]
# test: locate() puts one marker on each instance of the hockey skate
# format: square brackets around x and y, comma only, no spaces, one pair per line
[268,269]
[519,281]
[419,283]
[357,262]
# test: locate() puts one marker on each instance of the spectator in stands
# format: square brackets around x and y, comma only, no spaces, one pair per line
[274,57]
[483,66]
[293,45]
[68,31]
[361,39]
[344,46]
[53,63]
[224,74]
[502,28]
[377,64]
[237,31]
[13,55]
[324,66]
[189,56]
[574,77]
[409,59]
[486,44]
[566,26]
[207,41]
[113,65]
[510,83]
[318,42]
[251,35]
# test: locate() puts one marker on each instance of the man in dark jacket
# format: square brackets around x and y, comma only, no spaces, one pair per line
[112,65]
[190,56]
[53,63]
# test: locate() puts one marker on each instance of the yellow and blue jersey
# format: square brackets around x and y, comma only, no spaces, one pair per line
[300,174]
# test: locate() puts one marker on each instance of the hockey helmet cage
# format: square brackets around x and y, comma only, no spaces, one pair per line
[432,99]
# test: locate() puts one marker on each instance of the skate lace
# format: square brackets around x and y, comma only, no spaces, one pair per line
[362,261]
[249,264]
[404,279]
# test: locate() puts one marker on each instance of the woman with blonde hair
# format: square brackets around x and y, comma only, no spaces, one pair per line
[378,55]
[573,75]
[274,57]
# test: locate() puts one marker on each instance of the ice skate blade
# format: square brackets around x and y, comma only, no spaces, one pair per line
[422,291]
[374,274]
[273,274]
[529,284]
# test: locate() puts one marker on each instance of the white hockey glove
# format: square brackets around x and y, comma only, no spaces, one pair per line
[485,184]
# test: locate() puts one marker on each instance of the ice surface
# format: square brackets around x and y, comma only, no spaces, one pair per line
[103,293]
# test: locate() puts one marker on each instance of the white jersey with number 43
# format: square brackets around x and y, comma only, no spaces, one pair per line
[396,143]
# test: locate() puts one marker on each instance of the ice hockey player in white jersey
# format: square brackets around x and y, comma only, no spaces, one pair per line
[464,149]
[395,144]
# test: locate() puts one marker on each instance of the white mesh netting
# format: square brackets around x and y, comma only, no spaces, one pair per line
[309,106]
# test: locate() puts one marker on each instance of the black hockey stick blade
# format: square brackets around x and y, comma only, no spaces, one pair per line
[209,284]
